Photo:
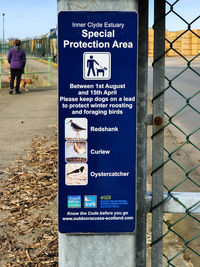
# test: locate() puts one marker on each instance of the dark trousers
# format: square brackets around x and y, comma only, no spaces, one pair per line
[15,73]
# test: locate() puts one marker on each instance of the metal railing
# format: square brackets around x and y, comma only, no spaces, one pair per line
[26,72]
[4,48]
[41,47]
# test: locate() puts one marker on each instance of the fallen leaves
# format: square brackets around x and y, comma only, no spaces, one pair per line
[28,235]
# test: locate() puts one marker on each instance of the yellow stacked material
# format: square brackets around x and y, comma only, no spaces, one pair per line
[32,45]
[151,40]
[54,47]
[195,44]
[186,43]
[173,37]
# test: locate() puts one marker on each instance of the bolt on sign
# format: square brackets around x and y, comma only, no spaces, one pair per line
[97,121]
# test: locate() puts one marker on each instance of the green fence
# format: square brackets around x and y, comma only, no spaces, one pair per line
[26,71]
[41,47]
[180,161]
[4,48]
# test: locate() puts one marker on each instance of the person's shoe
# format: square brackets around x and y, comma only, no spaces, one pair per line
[18,92]
[10,92]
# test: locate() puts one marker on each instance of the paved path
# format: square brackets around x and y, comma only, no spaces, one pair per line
[24,117]
[187,156]
[187,84]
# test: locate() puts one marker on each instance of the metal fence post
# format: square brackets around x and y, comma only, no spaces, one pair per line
[25,71]
[142,133]
[0,73]
[158,133]
[49,73]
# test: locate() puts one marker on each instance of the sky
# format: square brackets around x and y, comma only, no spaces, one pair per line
[27,18]
[188,9]
[31,18]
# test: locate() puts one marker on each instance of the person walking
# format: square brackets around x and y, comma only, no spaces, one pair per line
[90,66]
[17,60]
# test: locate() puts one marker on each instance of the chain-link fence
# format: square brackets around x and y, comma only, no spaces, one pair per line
[177,129]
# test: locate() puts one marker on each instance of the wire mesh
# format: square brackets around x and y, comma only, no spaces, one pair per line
[181,236]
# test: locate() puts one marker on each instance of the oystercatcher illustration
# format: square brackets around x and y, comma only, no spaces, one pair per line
[76,172]
[77,128]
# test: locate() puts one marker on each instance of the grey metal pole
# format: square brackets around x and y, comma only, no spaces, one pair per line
[3,27]
[158,135]
[97,250]
[142,133]
[0,73]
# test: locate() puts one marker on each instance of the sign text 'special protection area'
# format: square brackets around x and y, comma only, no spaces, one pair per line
[97,121]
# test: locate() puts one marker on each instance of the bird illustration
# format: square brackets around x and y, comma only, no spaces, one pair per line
[88,199]
[77,128]
[79,147]
[76,172]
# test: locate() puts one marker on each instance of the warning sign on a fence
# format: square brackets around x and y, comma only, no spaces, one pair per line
[97,121]
[96,66]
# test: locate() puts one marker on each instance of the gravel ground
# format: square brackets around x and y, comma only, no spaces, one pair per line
[28,174]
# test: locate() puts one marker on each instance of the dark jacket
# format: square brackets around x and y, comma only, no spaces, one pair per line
[16,58]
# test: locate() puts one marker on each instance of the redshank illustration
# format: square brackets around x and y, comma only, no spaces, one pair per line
[77,128]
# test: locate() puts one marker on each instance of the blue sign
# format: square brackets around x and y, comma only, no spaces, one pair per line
[97,121]
[53,33]
[74,202]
